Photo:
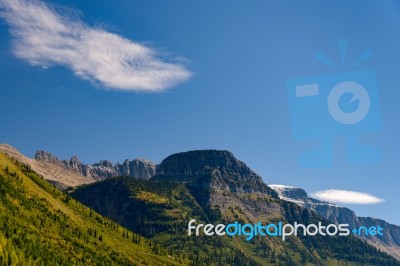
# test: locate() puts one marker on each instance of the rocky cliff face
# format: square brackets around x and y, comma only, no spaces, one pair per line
[213,168]
[47,157]
[389,242]
[138,168]
[222,183]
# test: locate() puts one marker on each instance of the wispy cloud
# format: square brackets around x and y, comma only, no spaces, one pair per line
[346,196]
[46,35]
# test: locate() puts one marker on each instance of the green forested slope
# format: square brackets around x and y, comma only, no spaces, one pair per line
[40,225]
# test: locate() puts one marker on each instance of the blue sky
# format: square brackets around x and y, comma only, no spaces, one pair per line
[214,77]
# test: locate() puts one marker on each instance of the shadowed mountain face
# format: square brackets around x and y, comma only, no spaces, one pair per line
[389,242]
[214,187]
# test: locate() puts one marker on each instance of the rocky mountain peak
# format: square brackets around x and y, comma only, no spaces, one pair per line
[209,170]
[43,156]
[201,162]
[104,163]
[74,164]
[138,168]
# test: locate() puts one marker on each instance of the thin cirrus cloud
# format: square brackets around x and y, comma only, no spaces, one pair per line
[346,197]
[45,35]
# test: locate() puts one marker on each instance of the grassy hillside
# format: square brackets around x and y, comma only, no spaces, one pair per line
[40,225]
[160,211]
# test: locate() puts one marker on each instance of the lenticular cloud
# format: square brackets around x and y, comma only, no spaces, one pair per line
[44,36]
[346,197]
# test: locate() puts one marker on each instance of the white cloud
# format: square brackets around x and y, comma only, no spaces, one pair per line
[346,196]
[45,36]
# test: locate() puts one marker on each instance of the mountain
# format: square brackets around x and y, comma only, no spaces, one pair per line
[213,176]
[389,242]
[138,168]
[41,225]
[53,172]
[214,187]
[72,173]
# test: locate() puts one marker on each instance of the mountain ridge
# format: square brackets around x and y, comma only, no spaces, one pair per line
[212,186]
[223,186]
[139,168]
[71,173]
[61,177]
[389,242]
